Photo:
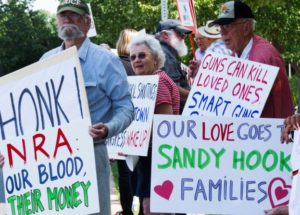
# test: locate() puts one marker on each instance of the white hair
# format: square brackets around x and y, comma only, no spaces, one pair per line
[152,43]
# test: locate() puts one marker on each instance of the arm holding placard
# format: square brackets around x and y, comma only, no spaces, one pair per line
[283,210]
[291,123]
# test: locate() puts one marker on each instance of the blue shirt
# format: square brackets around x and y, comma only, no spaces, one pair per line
[106,86]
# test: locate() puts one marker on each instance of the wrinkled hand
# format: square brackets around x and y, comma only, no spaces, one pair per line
[291,123]
[98,131]
[282,210]
[1,160]
[194,66]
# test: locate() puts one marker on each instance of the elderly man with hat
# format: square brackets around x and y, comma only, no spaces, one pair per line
[204,37]
[208,38]
[237,24]
[171,34]
[106,84]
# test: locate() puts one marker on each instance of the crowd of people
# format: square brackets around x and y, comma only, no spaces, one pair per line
[231,33]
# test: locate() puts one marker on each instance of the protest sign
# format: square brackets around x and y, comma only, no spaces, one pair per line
[164,9]
[135,139]
[228,86]
[50,163]
[92,31]
[187,14]
[218,165]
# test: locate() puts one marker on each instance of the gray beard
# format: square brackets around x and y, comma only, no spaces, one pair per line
[70,31]
[179,46]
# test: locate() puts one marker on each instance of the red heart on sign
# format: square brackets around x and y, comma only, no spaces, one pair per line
[280,193]
[165,190]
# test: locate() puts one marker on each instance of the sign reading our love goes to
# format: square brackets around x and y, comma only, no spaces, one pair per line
[49,157]
[218,165]
[231,87]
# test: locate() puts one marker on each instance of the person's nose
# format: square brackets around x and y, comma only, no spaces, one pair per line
[66,19]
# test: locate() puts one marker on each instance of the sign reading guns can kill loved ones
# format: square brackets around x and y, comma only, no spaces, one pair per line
[50,163]
[228,86]
[218,165]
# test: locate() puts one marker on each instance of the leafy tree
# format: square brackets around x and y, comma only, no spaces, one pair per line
[24,35]
[112,16]
[277,20]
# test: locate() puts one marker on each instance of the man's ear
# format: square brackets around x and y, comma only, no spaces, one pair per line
[247,28]
[87,21]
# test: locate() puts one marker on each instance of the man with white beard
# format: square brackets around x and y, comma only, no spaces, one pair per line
[106,85]
[171,34]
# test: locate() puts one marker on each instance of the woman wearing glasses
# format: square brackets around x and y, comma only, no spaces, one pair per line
[147,58]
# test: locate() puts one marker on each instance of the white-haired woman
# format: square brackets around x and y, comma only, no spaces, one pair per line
[147,58]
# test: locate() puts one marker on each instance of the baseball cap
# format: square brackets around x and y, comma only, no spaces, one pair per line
[232,10]
[210,32]
[76,6]
[169,24]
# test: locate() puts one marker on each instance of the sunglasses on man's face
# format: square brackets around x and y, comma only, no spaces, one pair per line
[141,56]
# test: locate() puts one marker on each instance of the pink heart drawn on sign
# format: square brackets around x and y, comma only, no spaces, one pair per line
[165,190]
[278,195]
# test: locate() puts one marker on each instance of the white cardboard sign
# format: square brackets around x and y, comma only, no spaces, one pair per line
[50,164]
[231,87]
[135,139]
[218,165]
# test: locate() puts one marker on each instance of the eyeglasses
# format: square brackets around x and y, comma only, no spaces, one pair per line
[140,56]
[70,15]
[227,27]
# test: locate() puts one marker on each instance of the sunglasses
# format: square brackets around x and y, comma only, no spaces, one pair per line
[70,15]
[229,26]
[141,56]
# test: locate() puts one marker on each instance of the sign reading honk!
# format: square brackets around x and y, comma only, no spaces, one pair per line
[218,165]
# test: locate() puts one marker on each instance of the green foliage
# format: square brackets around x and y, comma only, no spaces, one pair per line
[24,35]
[112,16]
[294,88]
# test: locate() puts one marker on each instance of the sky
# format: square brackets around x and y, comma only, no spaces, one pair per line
[49,5]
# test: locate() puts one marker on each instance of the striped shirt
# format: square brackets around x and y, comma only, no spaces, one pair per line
[219,47]
[167,92]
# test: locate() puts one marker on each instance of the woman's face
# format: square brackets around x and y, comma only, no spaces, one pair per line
[142,60]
